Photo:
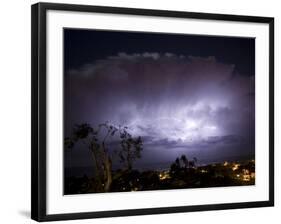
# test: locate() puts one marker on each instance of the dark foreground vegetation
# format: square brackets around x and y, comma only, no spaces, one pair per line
[177,177]
[183,172]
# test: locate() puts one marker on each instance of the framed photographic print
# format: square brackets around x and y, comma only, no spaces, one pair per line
[138,111]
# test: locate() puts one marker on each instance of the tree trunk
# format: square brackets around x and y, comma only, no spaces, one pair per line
[108,173]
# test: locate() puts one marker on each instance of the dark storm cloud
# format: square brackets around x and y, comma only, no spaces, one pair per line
[173,101]
[228,139]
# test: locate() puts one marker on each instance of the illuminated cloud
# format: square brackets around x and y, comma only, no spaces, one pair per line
[178,102]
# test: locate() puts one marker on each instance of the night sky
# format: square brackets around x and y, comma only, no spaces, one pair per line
[184,94]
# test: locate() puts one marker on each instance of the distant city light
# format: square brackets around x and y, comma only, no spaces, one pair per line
[235,167]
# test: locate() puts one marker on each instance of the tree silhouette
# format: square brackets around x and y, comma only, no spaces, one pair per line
[185,161]
[177,162]
[175,167]
[131,148]
[182,165]
[96,141]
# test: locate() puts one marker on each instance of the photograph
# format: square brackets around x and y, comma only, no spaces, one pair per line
[145,111]
[142,111]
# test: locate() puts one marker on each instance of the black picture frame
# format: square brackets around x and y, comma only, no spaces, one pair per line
[39,122]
